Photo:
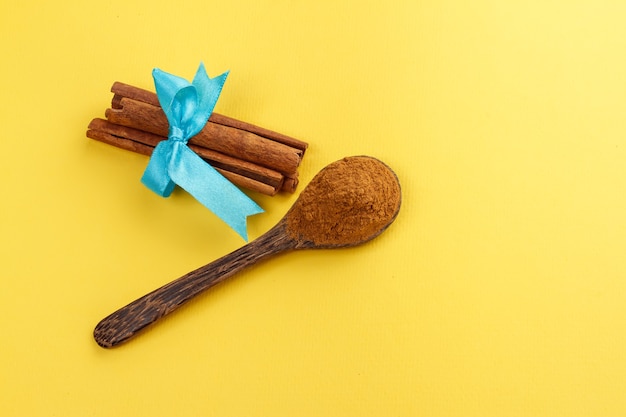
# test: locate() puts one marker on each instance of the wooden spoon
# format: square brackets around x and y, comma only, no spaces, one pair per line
[349,202]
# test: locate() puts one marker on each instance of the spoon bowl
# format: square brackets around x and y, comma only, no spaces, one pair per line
[349,202]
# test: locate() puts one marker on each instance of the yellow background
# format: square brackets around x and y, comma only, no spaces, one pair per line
[499,291]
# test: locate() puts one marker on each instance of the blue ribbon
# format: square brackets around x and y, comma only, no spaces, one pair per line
[188,107]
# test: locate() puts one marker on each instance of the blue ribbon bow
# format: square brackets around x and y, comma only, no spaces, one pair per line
[188,107]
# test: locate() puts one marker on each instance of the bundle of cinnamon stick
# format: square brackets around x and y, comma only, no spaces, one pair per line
[249,156]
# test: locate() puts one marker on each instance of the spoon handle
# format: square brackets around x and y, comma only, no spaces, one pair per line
[126,322]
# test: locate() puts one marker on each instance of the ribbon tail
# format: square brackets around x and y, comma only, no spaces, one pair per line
[156,176]
[211,189]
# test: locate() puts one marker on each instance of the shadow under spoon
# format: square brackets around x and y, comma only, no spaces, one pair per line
[349,202]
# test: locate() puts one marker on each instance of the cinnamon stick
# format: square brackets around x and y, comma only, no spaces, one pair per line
[290,184]
[119,142]
[114,135]
[224,139]
[216,159]
[121,90]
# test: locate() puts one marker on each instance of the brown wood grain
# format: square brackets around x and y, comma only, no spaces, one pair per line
[130,320]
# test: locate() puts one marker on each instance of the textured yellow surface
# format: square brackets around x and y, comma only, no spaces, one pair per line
[499,291]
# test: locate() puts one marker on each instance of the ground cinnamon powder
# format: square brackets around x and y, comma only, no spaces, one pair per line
[349,201]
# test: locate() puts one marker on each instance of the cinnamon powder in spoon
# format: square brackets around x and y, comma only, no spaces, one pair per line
[346,202]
